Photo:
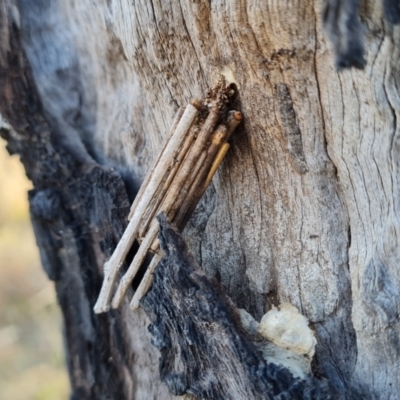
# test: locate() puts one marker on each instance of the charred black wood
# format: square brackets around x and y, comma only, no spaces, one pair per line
[392,11]
[204,349]
[78,214]
[342,24]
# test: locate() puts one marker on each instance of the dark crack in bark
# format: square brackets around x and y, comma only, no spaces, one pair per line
[290,129]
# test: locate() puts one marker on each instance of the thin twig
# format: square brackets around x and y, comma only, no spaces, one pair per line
[127,279]
[174,185]
[112,267]
[146,181]
[170,205]
[146,281]
[195,181]
[234,119]
[194,196]
[160,194]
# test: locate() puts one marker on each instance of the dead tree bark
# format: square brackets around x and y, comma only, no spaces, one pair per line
[305,208]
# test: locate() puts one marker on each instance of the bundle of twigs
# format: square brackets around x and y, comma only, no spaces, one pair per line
[193,150]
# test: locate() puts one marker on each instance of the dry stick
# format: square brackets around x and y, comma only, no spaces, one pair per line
[201,190]
[133,269]
[149,175]
[198,188]
[146,181]
[112,267]
[193,175]
[146,281]
[152,210]
[154,202]
[166,160]
[216,163]
[182,183]
[234,119]
[196,178]
[190,202]
[175,195]
[193,197]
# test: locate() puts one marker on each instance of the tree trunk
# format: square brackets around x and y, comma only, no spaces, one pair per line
[305,208]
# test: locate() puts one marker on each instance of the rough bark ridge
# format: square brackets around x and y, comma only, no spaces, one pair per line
[305,208]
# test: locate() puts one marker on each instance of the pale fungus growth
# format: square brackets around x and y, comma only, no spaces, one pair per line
[298,363]
[287,328]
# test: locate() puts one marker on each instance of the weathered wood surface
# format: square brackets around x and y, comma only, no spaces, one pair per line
[304,209]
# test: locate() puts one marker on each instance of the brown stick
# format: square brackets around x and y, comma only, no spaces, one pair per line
[194,182]
[146,281]
[153,208]
[145,183]
[191,200]
[216,163]
[174,197]
[127,279]
[234,119]
[113,265]
[197,188]
[171,147]
[181,185]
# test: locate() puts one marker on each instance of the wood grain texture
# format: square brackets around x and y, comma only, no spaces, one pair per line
[109,76]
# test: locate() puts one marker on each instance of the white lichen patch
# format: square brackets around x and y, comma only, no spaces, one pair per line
[287,328]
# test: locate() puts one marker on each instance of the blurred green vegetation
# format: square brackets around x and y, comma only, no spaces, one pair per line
[31,349]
